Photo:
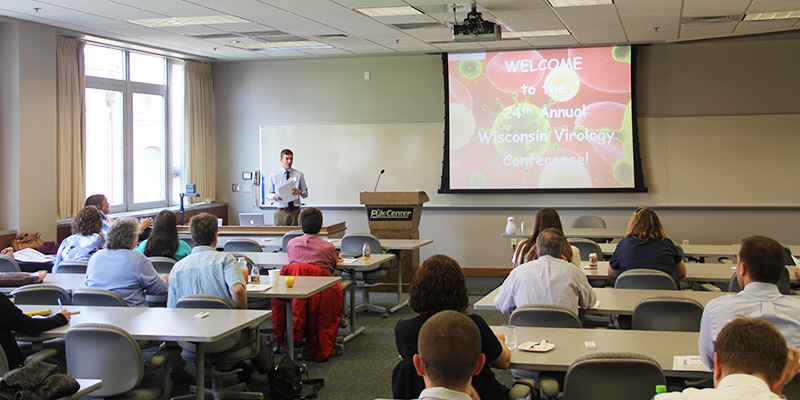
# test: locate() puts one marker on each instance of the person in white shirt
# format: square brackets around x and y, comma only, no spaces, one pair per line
[751,362]
[449,355]
[546,280]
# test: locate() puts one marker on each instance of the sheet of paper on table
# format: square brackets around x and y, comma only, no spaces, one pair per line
[32,255]
[349,260]
[688,363]
[258,288]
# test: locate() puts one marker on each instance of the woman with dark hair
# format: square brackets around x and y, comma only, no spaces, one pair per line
[163,241]
[439,285]
[545,218]
[101,202]
[86,238]
[646,246]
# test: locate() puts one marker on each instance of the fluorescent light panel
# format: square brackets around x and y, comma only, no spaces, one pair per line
[772,15]
[522,34]
[187,21]
[307,44]
[389,11]
[578,3]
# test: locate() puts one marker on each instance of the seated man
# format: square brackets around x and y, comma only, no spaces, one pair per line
[121,269]
[751,361]
[310,248]
[449,355]
[547,280]
[760,265]
[208,271]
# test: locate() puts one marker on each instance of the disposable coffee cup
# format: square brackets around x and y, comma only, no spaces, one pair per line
[274,275]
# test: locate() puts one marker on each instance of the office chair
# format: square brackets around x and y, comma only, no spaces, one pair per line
[71,267]
[242,245]
[222,355]
[101,351]
[544,316]
[788,255]
[41,293]
[289,236]
[189,241]
[589,221]
[667,313]
[617,376]
[8,264]
[586,246]
[645,279]
[163,265]
[784,283]
[97,297]
[352,244]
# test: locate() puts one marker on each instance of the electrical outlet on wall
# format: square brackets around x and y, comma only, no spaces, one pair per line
[514,243]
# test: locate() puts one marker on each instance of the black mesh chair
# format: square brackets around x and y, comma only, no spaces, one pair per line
[667,313]
[613,376]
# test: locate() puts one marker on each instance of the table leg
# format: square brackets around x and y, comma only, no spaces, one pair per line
[289,329]
[200,370]
[400,303]
[353,331]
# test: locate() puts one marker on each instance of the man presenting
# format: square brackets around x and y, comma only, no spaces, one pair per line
[287,210]
[760,265]
[547,279]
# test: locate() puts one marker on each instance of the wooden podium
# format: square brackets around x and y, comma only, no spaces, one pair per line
[396,215]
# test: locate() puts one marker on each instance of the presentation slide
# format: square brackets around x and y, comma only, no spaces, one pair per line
[541,119]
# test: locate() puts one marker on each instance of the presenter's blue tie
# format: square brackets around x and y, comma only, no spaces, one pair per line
[291,203]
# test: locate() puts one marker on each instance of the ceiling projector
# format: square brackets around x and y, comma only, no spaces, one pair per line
[475,29]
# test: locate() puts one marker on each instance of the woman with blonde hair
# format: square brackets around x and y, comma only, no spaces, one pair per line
[646,246]
[545,218]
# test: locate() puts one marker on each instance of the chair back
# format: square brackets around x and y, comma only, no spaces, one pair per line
[586,246]
[792,389]
[97,297]
[3,362]
[208,301]
[289,236]
[41,293]
[589,221]
[667,313]
[617,376]
[242,245]
[189,241]
[645,279]
[102,351]
[545,316]
[8,264]
[784,283]
[163,265]
[788,255]
[353,244]
[71,267]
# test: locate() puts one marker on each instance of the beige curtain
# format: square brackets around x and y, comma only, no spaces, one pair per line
[198,149]
[70,127]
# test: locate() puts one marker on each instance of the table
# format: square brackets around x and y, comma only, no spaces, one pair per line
[167,324]
[68,282]
[660,345]
[304,287]
[360,264]
[693,250]
[86,386]
[695,272]
[618,301]
[586,233]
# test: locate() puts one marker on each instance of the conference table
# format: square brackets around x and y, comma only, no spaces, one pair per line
[68,282]
[663,346]
[163,324]
[701,251]
[303,288]
[695,272]
[617,301]
[586,233]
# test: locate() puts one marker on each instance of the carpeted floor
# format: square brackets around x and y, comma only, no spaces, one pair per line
[364,369]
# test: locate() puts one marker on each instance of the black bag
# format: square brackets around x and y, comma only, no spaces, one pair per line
[287,381]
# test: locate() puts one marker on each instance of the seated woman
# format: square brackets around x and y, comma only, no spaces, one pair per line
[545,218]
[163,241]
[101,202]
[122,270]
[646,246]
[438,285]
[86,239]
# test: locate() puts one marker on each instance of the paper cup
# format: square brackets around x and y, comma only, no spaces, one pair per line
[273,277]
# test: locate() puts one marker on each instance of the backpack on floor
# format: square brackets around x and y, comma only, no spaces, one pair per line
[287,382]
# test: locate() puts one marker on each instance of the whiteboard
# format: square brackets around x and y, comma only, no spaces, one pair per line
[341,160]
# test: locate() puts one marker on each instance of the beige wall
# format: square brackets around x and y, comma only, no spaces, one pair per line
[28,199]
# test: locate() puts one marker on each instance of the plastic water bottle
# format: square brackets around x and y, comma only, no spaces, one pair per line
[255,275]
[243,266]
[660,389]
[365,251]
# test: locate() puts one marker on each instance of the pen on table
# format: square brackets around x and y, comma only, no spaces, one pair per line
[59,305]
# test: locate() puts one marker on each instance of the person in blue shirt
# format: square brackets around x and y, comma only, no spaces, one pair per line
[86,238]
[646,246]
[163,241]
[286,211]
[122,270]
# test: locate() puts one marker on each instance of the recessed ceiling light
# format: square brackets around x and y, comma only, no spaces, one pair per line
[389,11]
[555,32]
[294,45]
[772,15]
[578,3]
[236,42]
[187,21]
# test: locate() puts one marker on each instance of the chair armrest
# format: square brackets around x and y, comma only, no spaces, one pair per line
[522,389]
[41,356]
[165,356]
[707,287]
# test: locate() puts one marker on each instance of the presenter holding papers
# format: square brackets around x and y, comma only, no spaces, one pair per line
[286,186]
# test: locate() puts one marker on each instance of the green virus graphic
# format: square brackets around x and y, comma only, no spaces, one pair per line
[470,69]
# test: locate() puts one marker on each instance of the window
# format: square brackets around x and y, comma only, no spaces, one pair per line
[134,124]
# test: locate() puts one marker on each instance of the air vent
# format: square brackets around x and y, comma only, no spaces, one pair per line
[265,33]
[711,19]
[419,25]
[218,36]
[332,36]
